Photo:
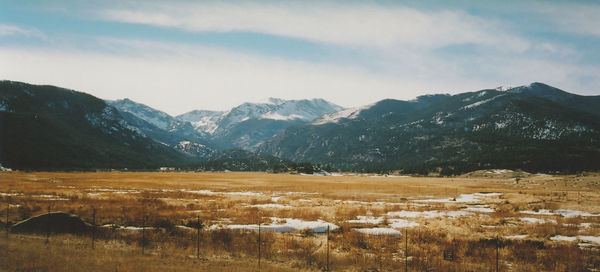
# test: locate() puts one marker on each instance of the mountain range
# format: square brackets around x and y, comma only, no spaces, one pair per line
[534,127]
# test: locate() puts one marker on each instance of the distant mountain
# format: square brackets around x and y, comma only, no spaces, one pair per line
[535,127]
[164,128]
[204,121]
[46,127]
[250,124]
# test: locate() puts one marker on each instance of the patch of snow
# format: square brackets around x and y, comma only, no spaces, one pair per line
[401,223]
[285,225]
[515,237]
[51,197]
[479,103]
[463,198]
[275,198]
[539,212]
[277,116]
[271,205]
[479,208]
[563,238]
[244,193]
[379,231]
[351,113]
[562,212]
[366,220]
[532,220]
[200,192]
[574,213]
[590,239]
[429,214]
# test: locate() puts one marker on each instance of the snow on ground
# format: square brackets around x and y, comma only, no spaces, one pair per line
[499,171]
[365,203]
[479,208]
[366,220]
[561,212]
[532,220]
[429,214]
[589,239]
[401,223]
[350,113]
[379,231]
[539,212]
[243,193]
[563,238]
[583,238]
[574,213]
[393,222]
[284,225]
[271,205]
[463,198]
[51,197]
[515,237]
[209,192]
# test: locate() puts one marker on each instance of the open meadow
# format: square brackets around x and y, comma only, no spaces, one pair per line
[149,221]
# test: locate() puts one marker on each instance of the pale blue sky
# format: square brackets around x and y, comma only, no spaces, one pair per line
[183,55]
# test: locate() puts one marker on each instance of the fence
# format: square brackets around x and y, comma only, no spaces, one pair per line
[391,253]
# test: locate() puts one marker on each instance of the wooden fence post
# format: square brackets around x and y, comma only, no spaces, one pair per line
[406,250]
[48,226]
[259,244]
[198,239]
[7,211]
[327,247]
[497,245]
[93,228]
[143,233]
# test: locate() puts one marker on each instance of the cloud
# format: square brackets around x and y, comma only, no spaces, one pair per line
[179,78]
[583,19]
[355,25]
[13,30]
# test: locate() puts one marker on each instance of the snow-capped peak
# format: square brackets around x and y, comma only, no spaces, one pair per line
[503,88]
[350,113]
[272,101]
[270,109]
[153,116]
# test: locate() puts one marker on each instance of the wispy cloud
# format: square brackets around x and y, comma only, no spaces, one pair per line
[178,78]
[583,19]
[357,25]
[13,30]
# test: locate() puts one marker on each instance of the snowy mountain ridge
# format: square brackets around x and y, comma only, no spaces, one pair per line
[304,110]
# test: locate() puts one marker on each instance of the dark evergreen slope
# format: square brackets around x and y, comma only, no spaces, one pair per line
[535,128]
[46,127]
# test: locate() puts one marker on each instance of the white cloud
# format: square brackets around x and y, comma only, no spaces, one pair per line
[355,25]
[177,78]
[572,17]
[10,30]
[197,77]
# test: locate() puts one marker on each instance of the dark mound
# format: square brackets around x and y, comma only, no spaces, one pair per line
[56,222]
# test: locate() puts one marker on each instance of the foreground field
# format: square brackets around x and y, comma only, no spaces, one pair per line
[149,221]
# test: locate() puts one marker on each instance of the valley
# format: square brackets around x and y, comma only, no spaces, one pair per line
[539,222]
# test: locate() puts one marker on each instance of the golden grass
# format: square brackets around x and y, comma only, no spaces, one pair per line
[164,200]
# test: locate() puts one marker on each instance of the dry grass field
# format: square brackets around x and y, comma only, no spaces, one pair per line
[477,222]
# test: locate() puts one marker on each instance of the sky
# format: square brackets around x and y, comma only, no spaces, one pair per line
[178,56]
